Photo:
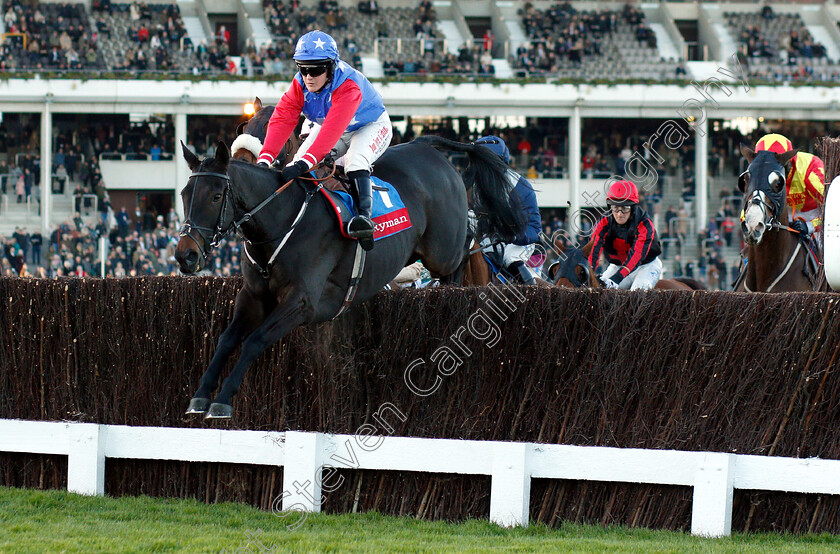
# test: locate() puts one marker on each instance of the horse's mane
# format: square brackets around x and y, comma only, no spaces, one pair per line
[487,175]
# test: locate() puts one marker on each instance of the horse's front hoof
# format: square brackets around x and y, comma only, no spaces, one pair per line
[198,406]
[219,411]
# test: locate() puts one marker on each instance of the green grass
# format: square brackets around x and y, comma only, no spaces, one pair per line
[55,521]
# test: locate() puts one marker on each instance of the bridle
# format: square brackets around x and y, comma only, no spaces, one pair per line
[218,232]
[768,210]
[771,204]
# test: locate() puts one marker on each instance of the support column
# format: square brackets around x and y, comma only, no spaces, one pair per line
[574,172]
[301,471]
[701,172]
[182,172]
[46,169]
[510,485]
[86,459]
[711,508]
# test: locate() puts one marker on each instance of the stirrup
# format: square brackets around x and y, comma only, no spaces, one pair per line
[360,227]
[363,230]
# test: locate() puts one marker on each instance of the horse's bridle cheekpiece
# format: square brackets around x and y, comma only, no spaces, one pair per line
[218,232]
[769,201]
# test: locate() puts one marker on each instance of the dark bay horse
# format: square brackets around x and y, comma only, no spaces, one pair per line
[574,271]
[250,139]
[309,277]
[776,256]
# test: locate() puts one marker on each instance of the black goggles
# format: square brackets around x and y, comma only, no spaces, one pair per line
[313,70]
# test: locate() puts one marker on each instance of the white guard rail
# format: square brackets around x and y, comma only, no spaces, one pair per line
[307,458]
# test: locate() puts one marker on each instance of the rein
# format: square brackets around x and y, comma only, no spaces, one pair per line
[236,226]
[758,198]
[784,271]
[266,272]
[310,193]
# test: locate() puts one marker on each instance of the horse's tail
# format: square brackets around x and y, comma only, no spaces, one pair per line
[498,214]
[693,283]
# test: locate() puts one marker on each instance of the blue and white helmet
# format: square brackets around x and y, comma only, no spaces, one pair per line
[496,145]
[316,46]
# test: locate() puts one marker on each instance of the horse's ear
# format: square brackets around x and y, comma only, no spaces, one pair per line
[743,181]
[748,153]
[587,248]
[257,104]
[593,279]
[785,158]
[552,271]
[583,275]
[222,154]
[559,247]
[192,160]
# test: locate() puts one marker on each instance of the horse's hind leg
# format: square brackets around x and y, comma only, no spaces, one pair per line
[249,313]
[455,277]
[292,313]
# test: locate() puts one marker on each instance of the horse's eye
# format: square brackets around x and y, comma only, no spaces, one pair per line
[773,178]
[217,197]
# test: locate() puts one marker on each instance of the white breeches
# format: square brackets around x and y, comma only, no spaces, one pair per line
[511,252]
[642,278]
[358,149]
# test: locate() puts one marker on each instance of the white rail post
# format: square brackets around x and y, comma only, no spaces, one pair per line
[301,482]
[711,509]
[86,459]
[510,486]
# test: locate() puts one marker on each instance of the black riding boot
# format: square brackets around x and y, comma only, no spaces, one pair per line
[361,226]
[524,273]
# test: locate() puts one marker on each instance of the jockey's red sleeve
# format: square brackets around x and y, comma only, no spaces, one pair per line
[282,122]
[641,247]
[599,236]
[345,101]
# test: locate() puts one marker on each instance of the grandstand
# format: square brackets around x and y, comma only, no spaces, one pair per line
[552,73]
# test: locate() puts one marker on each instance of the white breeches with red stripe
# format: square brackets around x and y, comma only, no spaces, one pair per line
[642,278]
[356,150]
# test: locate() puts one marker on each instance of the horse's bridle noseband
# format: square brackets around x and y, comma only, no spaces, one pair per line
[218,232]
[771,204]
[768,211]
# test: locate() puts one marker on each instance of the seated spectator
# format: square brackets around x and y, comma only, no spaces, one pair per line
[767,13]
[368,7]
